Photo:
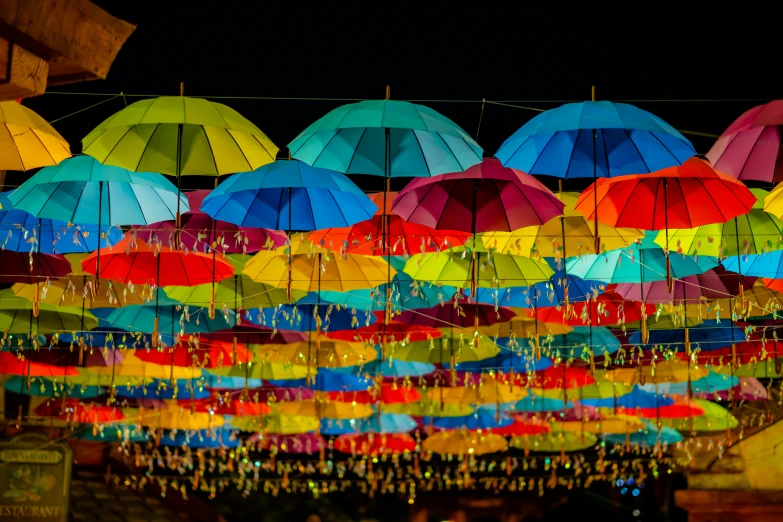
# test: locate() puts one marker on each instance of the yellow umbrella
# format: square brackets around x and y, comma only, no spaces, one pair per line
[241,290]
[277,424]
[426,407]
[601,389]
[173,417]
[547,240]
[766,369]
[459,442]
[263,370]
[488,391]
[715,418]
[134,370]
[457,345]
[27,141]
[330,354]
[525,327]
[16,316]
[614,424]
[322,409]
[315,272]
[75,291]
[562,441]
[673,370]
[773,202]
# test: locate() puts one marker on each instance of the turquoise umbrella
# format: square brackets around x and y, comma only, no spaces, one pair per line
[81,190]
[581,339]
[42,387]
[141,318]
[388,423]
[386,138]
[643,262]
[769,265]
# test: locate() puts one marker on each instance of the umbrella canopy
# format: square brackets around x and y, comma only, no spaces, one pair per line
[395,332]
[749,149]
[199,231]
[16,316]
[80,291]
[27,141]
[20,232]
[594,139]
[11,364]
[32,268]
[636,398]
[571,235]
[768,265]
[457,315]
[354,139]
[289,195]
[487,391]
[329,354]
[192,352]
[239,291]
[756,232]
[318,272]
[171,319]
[486,197]
[404,238]
[460,442]
[641,262]
[716,283]
[707,336]
[385,423]
[81,190]
[482,419]
[583,339]
[375,444]
[555,443]
[304,443]
[458,344]
[495,270]
[134,260]
[773,203]
[177,135]
[685,196]
[606,309]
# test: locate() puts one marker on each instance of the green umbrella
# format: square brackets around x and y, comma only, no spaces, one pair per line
[498,270]
[239,291]
[753,233]
[16,316]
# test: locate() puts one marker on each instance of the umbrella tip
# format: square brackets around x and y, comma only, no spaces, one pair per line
[592,92]
[182,88]
[388,92]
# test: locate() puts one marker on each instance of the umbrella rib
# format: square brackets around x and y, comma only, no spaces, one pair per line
[144,150]
[348,169]
[323,149]
[212,152]
[16,148]
[543,149]
[421,149]
[451,191]
[258,140]
[646,166]
[342,214]
[667,148]
[43,145]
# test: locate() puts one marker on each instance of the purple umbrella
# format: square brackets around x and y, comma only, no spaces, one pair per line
[487,197]
[713,284]
[197,233]
[748,389]
[750,148]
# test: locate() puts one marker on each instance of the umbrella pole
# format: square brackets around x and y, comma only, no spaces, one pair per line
[157,303]
[213,245]
[81,333]
[98,253]
[290,246]
[178,220]
[38,273]
[669,280]
[385,220]
[474,283]
[595,183]
[316,316]
[741,291]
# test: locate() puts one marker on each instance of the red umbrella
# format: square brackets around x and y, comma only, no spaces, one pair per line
[607,309]
[686,196]
[462,316]
[254,334]
[133,260]
[521,427]
[395,332]
[678,410]
[366,237]
[199,231]
[305,443]
[10,364]
[375,444]
[487,197]
[24,267]
[193,351]
[390,394]
[553,378]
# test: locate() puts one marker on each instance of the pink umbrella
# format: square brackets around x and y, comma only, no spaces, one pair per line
[487,197]
[305,443]
[750,148]
[748,389]
[462,316]
[197,232]
[713,284]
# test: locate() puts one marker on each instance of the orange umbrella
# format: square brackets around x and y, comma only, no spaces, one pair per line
[606,309]
[10,364]
[234,407]
[375,444]
[390,393]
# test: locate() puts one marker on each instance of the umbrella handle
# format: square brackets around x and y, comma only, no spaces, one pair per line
[734,356]
[212,304]
[155,334]
[36,307]
[669,280]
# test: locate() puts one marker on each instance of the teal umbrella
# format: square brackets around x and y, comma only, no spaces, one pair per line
[642,262]
[386,138]
[172,319]
[81,190]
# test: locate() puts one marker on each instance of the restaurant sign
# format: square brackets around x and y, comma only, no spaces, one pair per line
[35,479]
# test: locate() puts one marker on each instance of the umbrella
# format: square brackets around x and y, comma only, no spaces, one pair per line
[21,267]
[191,351]
[773,203]
[481,419]
[419,142]
[51,387]
[80,291]
[307,443]
[199,231]
[749,149]
[375,444]
[306,318]
[262,370]
[207,439]
[238,292]
[555,443]
[330,354]
[427,407]
[716,283]
[756,232]
[289,195]
[457,315]
[383,423]
[164,389]
[568,236]
[81,190]
[11,364]
[489,270]
[396,332]
[455,346]
[605,309]
[487,391]
[16,316]
[582,341]
[769,265]
[165,319]
[73,410]
[20,232]
[179,136]
[395,368]
[636,398]
[646,437]
[460,442]
[27,141]
[486,197]
[388,393]
[366,237]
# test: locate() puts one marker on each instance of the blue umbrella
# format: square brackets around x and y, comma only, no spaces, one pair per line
[224,382]
[600,338]
[643,262]
[646,437]
[768,265]
[111,433]
[18,228]
[335,381]
[483,418]
[710,383]
[636,398]
[594,140]
[534,403]
[386,138]
[391,368]
[141,318]
[301,318]
[81,190]
[289,195]
[389,423]
[110,337]
[506,361]
[709,335]
[162,390]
